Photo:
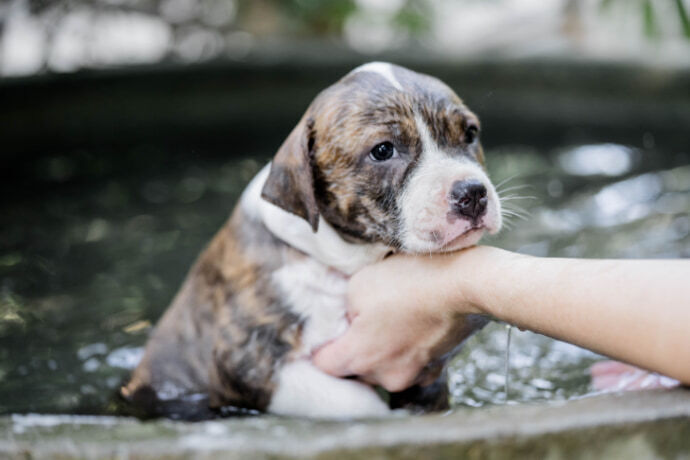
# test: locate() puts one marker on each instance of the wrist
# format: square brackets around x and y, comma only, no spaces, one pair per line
[476,271]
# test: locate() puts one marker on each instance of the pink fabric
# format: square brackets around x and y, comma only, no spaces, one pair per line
[617,376]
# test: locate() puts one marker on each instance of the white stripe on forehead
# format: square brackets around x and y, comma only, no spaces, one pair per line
[382,68]
[429,147]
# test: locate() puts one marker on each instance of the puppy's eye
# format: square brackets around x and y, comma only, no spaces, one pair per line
[471,133]
[382,152]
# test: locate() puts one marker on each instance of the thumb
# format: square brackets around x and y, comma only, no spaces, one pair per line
[335,357]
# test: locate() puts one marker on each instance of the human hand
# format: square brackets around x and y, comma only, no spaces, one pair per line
[402,319]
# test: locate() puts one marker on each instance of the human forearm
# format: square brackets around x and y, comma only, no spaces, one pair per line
[406,310]
[636,311]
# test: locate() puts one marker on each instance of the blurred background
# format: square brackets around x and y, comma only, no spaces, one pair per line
[128,128]
[64,36]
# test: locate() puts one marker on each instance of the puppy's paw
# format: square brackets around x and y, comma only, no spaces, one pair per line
[305,391]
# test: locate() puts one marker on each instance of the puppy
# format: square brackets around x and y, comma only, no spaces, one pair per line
[385,160]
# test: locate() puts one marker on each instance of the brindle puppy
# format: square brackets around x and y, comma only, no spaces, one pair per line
[385,160]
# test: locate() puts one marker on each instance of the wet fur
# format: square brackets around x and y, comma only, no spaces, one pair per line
[230,329]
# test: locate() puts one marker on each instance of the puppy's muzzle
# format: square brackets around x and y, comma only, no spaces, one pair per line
[468,199]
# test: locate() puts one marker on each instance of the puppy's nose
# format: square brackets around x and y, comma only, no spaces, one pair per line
[468,198]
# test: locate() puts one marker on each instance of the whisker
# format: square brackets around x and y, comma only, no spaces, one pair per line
[506,180]
[518,197]
[507,224]
[515,208]
[514,187]
[520,211]
[516,215]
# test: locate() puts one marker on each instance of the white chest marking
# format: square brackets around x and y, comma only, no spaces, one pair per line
[316,291]
[317,294]
[382,68]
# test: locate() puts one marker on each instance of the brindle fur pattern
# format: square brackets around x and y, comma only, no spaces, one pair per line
[228,329]
[356,195]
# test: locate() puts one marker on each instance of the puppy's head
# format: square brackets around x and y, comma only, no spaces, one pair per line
[388,155]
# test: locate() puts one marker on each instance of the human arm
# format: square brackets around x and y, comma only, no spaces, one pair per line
[404,310]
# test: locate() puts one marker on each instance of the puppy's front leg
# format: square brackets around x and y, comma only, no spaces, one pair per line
[303,390]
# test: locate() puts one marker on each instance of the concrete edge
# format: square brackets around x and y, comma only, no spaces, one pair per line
[44,437]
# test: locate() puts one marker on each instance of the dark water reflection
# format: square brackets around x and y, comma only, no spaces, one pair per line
[86,269]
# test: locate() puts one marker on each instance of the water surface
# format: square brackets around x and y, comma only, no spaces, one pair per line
[86,267]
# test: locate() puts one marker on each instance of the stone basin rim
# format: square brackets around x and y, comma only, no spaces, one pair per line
[299,438]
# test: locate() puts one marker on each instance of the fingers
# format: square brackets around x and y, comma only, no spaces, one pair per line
[335,357]
[400,380]
[351,354]
[343,357]
[394,376]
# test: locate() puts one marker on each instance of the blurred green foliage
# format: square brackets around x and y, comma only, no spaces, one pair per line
[415,17]
[303,17]
[323,17]
[319,17]
[207,26]
[327,17]
[650,19]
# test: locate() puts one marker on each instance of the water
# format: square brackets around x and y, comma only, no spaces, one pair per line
[593,201]
[506,369]
[86,267]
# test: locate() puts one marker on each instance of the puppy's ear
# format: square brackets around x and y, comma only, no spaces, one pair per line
[290,183]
